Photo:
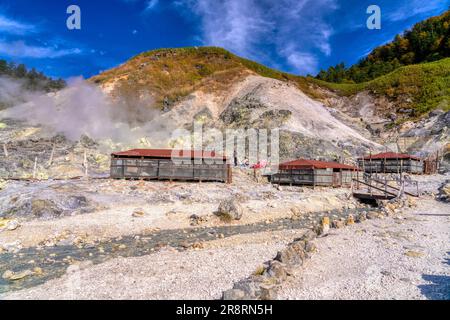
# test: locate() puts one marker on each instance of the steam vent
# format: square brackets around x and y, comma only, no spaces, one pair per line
[166,164]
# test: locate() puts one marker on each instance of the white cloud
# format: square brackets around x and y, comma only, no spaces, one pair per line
[22,50]
[247,26]
[305,63]
[412,8]
[234,24]
[11,26]
[151,4]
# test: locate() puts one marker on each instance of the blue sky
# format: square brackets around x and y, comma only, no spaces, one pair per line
[298,36]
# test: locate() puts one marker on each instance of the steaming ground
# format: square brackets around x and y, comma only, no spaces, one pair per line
[83,109]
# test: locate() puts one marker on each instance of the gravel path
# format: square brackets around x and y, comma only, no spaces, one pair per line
[406,257]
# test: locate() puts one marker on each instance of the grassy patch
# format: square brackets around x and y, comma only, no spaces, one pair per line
[425,87]
[172,74]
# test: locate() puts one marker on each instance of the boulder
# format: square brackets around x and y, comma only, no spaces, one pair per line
[350,220]
[338,224]
[372,215]
[233,294]
[138,213]
[250,287]
[44,208]
[307,236]
[361,217]
[324,227]
[12,225]
[276,270]
[444,192]
[268,292]
[230,209]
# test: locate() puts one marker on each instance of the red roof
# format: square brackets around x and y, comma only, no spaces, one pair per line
[391,155]
[167,154]
[315,164]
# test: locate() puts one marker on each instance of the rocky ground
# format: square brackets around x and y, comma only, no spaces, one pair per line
[182,250]
[404,257]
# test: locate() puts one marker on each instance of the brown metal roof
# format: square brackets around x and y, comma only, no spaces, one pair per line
[167,154]
[315,164]
[391,155]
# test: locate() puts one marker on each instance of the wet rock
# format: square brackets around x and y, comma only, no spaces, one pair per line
[13,276]
[307,236]
[38,271]
[230,209]
[12,247]
[268,292]
[7,274]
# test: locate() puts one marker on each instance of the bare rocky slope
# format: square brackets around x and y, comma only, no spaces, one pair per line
[143,101]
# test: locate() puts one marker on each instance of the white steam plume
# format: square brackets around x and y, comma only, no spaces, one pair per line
[83,108]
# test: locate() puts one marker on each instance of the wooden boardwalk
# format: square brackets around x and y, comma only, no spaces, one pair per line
[375,189]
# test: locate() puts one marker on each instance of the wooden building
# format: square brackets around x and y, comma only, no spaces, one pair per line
[390,162]
[165,164]
[315,173]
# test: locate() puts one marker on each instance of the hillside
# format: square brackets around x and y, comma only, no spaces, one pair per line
[427,41]
[417,88]
[169,75]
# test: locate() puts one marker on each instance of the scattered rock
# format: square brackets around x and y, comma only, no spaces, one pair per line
[13,276]
[12,225]
[361,217]
[350,220]
[196,220]
[324,227]
[414,254]
[338,224]
[230,209]
[276,270]
[7,274]
[38,271]
[372,215]
[444,192]
[233,294]
[138,213]
[45,208]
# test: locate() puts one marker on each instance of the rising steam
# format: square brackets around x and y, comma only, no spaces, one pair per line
[83,109]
